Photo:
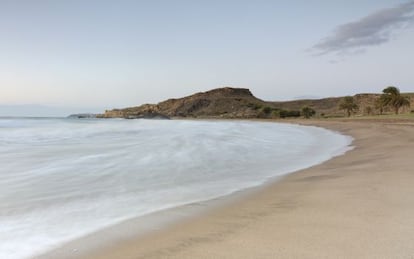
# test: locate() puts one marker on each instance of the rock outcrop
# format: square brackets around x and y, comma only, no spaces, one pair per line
[82,116]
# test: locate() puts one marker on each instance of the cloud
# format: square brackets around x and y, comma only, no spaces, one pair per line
[374,29]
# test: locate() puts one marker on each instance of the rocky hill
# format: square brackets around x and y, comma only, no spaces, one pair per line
[222,102]
[239,103]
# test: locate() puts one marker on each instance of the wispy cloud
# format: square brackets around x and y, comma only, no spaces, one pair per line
[374,29]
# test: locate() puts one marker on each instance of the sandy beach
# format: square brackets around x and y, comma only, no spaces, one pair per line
[359,205]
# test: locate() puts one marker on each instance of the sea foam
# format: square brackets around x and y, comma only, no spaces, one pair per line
[61,179]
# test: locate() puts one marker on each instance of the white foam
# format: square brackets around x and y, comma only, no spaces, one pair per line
[61,179]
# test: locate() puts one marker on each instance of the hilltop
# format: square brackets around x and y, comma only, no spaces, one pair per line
[240,103]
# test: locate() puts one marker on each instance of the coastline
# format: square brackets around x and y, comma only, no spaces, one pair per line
[329,210]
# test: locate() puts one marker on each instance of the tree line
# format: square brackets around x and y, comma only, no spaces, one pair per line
[390,97]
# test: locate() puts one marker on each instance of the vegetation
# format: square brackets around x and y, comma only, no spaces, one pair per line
[255,106]
[308,112]
[267,109]
[349,105]
[286,114]
[265,112]
[368,110]
[392,97]
[380,104]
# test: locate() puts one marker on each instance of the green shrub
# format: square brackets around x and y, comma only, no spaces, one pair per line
[267,109]
[255,106]
[287,114]
[308,112]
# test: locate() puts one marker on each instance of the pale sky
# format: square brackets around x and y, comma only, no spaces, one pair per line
[107,54]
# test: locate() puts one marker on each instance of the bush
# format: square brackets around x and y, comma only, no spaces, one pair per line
[308,112]
[287,114]
[276,113]
[266,109]
[255,106]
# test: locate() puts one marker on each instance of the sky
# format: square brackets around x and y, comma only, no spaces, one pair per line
[96,55]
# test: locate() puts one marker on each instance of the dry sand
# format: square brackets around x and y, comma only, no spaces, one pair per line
[359,205]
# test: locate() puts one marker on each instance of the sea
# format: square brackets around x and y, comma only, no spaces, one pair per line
[62,178]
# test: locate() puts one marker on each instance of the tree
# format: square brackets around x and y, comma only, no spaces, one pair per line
[349,105]
[380,104]
[308,112]
[392,97]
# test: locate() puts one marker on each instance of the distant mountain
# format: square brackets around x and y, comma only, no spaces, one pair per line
[238,103]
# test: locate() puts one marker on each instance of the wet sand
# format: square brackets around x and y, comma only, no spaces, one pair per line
[359,205]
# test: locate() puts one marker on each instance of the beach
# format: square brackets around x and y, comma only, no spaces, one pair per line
[358,205]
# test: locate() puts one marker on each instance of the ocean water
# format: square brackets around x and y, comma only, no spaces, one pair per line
[61,179]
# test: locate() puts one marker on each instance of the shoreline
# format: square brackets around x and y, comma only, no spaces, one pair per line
[142,225]
[211,233]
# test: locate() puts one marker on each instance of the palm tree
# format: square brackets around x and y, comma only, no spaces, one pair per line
[308,112]
[391,96]
[348,104]
[380,104]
